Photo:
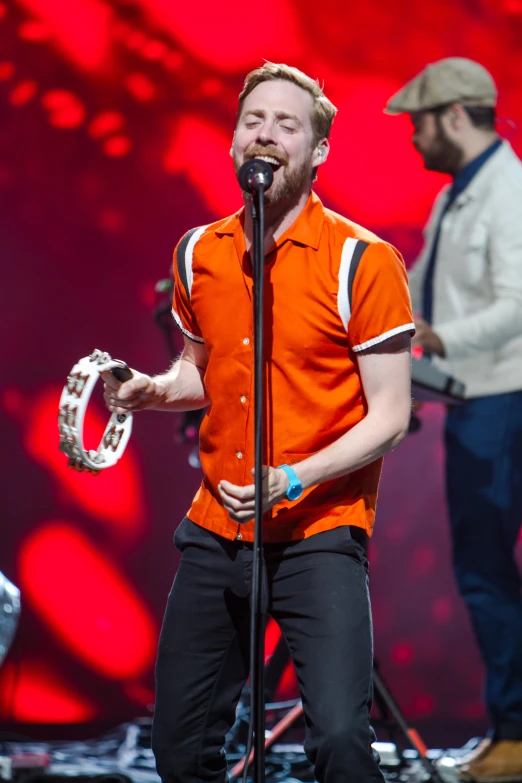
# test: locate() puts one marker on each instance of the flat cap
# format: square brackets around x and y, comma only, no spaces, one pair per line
[452,80]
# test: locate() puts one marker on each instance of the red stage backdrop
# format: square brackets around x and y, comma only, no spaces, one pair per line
[112,115]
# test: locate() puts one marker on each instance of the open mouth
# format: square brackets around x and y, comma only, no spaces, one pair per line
[274,162]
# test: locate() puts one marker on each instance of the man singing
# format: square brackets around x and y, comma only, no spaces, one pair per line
[467,286]
[337,334]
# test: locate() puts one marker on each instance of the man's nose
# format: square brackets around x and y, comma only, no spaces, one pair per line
[265,134]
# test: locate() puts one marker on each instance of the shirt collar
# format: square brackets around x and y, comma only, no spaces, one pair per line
[464,177]
[306,229]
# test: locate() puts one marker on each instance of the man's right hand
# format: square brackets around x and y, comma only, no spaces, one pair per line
[137,394]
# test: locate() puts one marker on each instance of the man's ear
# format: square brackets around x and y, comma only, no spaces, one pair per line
[231,152]
[321,152]
[457,115]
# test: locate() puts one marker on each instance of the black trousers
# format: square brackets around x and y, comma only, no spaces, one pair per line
[317,590]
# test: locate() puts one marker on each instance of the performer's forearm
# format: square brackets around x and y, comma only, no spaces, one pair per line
[386,379]
[182,388]
[373,437]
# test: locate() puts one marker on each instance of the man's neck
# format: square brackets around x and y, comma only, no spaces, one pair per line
[278,219]
[477,145]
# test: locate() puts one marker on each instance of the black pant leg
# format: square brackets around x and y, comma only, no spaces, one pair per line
[318,593]
[202,660]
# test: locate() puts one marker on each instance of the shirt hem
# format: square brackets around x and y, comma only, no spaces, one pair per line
[271,534]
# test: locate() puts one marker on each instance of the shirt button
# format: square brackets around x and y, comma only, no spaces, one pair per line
[243,399]
[239,454]
[246,341]
[239,537]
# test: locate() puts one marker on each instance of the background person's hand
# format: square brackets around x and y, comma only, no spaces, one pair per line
[137,394]
[427,339]
[240,501]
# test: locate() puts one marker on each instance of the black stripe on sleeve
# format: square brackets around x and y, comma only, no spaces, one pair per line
[360,247]
[180,260]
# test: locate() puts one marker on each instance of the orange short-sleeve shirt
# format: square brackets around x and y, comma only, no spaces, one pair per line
[332,290]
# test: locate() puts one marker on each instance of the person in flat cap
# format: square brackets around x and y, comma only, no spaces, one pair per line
[466,288]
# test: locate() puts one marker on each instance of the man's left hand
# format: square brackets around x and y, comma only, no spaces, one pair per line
[428,340]
[239,501]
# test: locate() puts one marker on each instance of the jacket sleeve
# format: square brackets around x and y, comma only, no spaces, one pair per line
[501,321]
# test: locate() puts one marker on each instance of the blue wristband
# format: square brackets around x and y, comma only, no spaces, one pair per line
[295,488]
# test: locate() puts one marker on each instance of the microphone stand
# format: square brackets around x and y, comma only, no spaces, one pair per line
[257,678]
[255,176]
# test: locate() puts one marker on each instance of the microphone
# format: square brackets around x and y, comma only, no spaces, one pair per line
[255,175]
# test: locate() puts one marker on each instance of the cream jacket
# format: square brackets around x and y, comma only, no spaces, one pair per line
[477,287]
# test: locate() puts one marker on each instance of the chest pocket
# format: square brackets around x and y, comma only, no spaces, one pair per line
[478,241]
[464,249]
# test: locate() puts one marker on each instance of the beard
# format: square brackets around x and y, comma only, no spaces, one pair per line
[444,155]
[288,185]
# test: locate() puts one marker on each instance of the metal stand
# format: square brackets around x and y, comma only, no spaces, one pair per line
[388,705]
[257,618]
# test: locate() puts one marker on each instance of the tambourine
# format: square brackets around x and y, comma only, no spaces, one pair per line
[73,404]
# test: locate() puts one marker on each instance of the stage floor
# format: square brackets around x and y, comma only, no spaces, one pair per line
[124,756]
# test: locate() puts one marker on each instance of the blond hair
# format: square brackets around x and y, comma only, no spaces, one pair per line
[323,111]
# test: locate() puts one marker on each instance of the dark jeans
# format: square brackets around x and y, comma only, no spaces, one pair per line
[317,590]
[484,486]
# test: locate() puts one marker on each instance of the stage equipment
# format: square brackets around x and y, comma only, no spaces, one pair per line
[189,421]
[73,404]
[9,613]
[255,176]
[429,384]
[392,718]
[125,755]
[163,313]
